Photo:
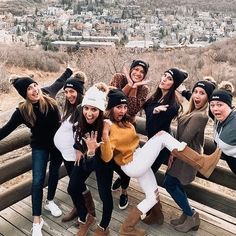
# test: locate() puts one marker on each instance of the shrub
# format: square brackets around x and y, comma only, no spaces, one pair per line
[21,56]
[4,84]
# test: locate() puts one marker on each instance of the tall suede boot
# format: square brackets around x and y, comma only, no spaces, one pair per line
[191,223]
[179,220]
[89,203]
[101,232]
[85,226]
[128,227]
[205,164]
[70,215]
[155,216]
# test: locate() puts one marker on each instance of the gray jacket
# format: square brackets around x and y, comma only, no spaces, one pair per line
[225,134]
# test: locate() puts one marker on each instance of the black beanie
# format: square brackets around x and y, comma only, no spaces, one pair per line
[116,97]
[21,85]
[140,63]
[222,96]
[178,76]
[207,86]
[75,83]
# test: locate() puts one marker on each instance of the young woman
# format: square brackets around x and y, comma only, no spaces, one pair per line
[224,130]
[190,129]
[64,137]
[90,125]
[160,109]
[118,132]
[133,84]
[40,113]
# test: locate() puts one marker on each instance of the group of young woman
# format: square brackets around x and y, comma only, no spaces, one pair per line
[97,133]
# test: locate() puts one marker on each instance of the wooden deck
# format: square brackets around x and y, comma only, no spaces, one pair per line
[17,220]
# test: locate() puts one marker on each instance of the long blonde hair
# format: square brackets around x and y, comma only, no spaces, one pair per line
[192,107]
[27,111]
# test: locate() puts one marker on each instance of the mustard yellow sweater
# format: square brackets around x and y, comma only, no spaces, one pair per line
[121,144]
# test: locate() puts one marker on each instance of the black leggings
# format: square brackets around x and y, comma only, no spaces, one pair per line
[77,186]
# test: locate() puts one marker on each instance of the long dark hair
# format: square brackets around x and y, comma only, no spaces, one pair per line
[169,99]
[71,109]
[82,127]
[124,122]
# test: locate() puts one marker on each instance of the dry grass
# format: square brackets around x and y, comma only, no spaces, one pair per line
[217,60]
[20,56]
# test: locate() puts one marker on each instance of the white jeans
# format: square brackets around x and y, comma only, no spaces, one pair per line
[140,166]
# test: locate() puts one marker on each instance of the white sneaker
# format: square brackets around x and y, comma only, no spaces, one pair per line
[53,208]
[37,228]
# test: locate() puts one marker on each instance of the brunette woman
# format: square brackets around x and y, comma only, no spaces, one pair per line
[88,157]
[121,144]
[134,85]
[64,137]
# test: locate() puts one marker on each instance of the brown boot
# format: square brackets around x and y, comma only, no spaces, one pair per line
[191,223]
[179,221]
[84,226]
[101,232]
[128,227]
[70,216]
[155,216]
[89,203]
[205,164]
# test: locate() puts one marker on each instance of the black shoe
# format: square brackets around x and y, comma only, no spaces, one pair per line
[116,185]
[124,202]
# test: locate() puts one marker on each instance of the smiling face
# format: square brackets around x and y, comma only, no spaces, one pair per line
[71,95]
[199,97]
[220,110]
[137,74]
[166,82]
[33,93]
[119,112]
[90,113]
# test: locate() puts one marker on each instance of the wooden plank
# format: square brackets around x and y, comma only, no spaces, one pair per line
[216,223]
[51,227]
[134,199]
[210,225]
[206,196]
[7,229]
[23,189]
[223,224]
[63,206]
[18,220]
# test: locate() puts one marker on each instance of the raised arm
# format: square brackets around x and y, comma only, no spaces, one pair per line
[53,89]
[15,120]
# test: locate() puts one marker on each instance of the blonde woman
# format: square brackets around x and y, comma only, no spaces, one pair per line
[40,113]
[190,129]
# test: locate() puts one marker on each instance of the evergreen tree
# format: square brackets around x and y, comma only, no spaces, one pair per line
[18,31]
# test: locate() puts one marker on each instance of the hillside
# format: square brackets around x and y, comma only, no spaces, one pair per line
[217,60]
[20,7]
[226,6]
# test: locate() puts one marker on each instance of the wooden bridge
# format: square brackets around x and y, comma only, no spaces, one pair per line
[217,210]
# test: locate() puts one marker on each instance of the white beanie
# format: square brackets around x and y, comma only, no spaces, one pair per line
[95,97]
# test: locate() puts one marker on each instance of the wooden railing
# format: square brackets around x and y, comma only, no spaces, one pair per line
[205,195]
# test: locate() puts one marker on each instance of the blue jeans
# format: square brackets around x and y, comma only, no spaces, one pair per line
[177,192]
[40,159]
